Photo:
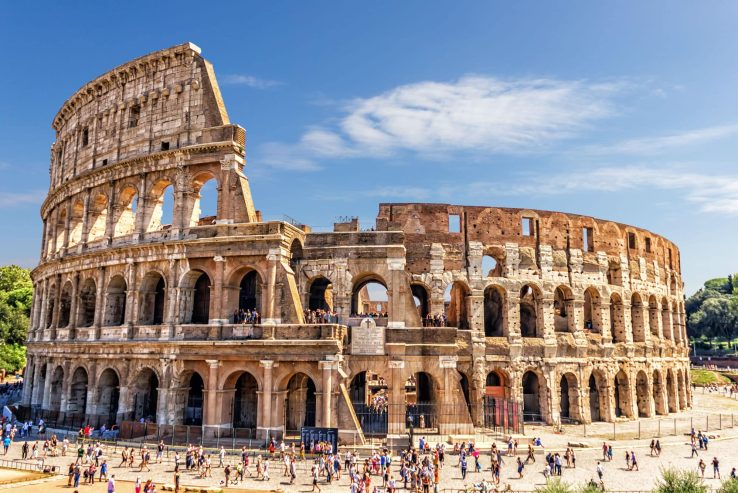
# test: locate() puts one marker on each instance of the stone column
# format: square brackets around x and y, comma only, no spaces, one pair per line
[476,313]
[57,302]
[266,394]
[67,224]
[37,391]
[273,259]
[211,417]
[46,398]
[85,222]
[99,298]
[28,378]
[327,400]
[217,315]
[131,317]
[396,293]
[140,226]
[396,417]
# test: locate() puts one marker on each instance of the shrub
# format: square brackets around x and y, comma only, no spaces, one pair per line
[555,485]
[677,481]
[729,486]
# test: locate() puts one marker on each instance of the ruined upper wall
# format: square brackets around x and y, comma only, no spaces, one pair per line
[160,101]
[493,227]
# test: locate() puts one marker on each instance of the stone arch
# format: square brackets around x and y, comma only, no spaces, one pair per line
[592,310]
[203,204]
[152,299]
[676,329]
[653,316]
[56,390]
[659,394]
[76,221]
[562,309]
[421,299]
[65,305]
[115,302]
[569,405]
[421,402]
[496,406]
[623,405]
[108,395]
[244,290]
[98,217]
[534,395]
[144,391]
[320,294]
[599,401]
[636,318]
[491,265]
[124,221]
[361,299]
[77,401]
[617,319]
[671,392]
[159,206]
[60,227]
[666,320]
[495,311]
[456,307]
[370,397]
[300,402]
[682,389]
[195,398]
[50,301]
[86,303]
[296,255]
[195,291]
[643,395]
[531,319]
[242,409]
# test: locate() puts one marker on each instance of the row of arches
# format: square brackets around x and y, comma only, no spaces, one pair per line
[87,219]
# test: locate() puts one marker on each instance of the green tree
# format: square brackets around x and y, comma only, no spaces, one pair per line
[678,481]
[12,357]
[13,277]
[723,285]
[13,324]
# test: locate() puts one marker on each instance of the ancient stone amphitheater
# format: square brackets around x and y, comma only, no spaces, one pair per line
[492,316]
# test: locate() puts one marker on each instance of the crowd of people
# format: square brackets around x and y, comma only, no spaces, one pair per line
[320,316]
[242,316]
[435,320]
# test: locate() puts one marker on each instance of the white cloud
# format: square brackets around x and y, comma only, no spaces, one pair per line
[250,81]
[11,199]
[660,145]
[473,114]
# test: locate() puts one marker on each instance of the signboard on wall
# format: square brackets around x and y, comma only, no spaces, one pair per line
[367,340]
[311,435]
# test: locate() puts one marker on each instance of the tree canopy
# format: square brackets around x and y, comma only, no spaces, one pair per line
[16,298]
[713,310]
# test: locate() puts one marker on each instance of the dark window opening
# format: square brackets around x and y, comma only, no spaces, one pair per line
[133,115]
[648,245]
[85,137]
[104,162]
[632,241]
[165,146]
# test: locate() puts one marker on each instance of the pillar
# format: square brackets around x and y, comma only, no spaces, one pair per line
[272,258]
[397,293]
[327,395]
[396,418]
[46,397]
[28,378]
[211,416]
[266,397]
[217,315]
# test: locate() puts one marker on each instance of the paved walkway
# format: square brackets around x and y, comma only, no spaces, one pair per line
[676,453]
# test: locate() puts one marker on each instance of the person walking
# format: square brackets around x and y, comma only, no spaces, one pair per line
[715,468]
[701,466]
[111,484]
[462,464]
[521,466]
[633,461]
[600,471]
[694,450]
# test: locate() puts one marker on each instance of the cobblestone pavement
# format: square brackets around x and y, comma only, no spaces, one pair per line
[676,453]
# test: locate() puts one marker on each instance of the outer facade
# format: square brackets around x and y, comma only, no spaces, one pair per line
[557,316]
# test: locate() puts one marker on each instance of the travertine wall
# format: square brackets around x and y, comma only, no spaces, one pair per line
[133,312]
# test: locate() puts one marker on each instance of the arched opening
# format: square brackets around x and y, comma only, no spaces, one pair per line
[115,302]
[595,407]
[617,321]
[653,316]
[659,394]
[464,383]
[125,222]
[108,396]
[666,320]
[77,403]
[193,410]
[245,402]
[86,303]
[56,390]
[61,228]
[494,311]
[145,395]
[300,403]
[671,392]
[98,218]
[455,305]
[623,405]
[201,300]
[75,223]
[569,406]
[160,206]
[50,301]
[321,294]
[636,318]
[421,301]
[498,411]
[65,305]
[39,381]
[420,402]
[676,323]
[490,266]
[370,398]
[296,255]
[249,293]
[562,305]
[682,390]
[529,306]
[205,206]
[643,396]
[153,290]
[369,298]
[592,310]
[532,395]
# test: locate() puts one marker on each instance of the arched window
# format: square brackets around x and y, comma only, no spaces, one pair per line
[86,303]
[592,310]
[75,223]
[529,306]
[490,266]
[249,298]
[205,206]
[98,218]
[153,289]
[455,300]
[636,318]
[561,306]
[65,305]
[160,209]
[321,294]
[617,320]
[201,300]
[494,311]
[421,301]
[369,297]
[115,302]
[125,222]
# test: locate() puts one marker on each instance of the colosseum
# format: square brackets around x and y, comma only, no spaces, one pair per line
[443,318]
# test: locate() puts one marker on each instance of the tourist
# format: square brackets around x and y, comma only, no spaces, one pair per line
[600,471]
[701,466]
[715,468]
[176,479]
[111,483]
[633,461]
[658,448]
[221,456]
[160,451]
[227,474]
[521,466]
[694,450]
[462,464]
[653,448]
[627,460]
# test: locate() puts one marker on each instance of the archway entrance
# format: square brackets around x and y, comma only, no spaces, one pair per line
[152,299]
[658,393]
[370,397]
[57,385]
[245,402]
[531,397]
[494,312]
[623,405]
[499,411]
[370,298]
[193,410]
[108,396]
[595,409]
[420,402]
[455,305]
[249,294]
[115,302]
[321,294]
[420,299]
[569,398]
[145,396]
[643,396]
[77,404]
[300,405]
[671,392]
[201,300]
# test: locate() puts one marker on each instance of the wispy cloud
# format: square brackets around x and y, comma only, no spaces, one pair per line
[250,81]
[472,114]
[11,199]
[664,144]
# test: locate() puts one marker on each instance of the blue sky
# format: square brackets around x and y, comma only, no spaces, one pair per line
[621,110]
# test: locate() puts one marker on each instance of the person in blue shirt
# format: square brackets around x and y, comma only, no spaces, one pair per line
[6,444]
[463,467]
